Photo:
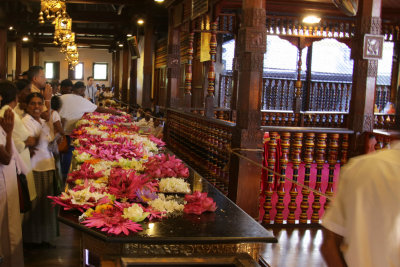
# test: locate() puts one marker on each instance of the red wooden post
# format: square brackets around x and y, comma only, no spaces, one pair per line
[270,181]
[188,74]
[332,160]
[296,163]
[285,144]
[308,159]
[320,159]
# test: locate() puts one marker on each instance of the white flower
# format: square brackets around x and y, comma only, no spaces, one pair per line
[174,185]
[81,157]
[135,213]
[164,204]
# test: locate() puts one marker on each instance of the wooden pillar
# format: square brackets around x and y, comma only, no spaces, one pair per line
[172,61]
[148,63]
[125,72]
[116,73]
[30,56]
[18,44]
[395,73]
[3,53]
[209,102]
[245,179]
[37,57]
[364,75]
[188,74]
[133,83]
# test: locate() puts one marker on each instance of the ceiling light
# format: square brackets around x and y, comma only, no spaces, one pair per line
[121,45]
[311,19]
[11,28]
[129,35]
[159,1]
[140,21]
[25,39]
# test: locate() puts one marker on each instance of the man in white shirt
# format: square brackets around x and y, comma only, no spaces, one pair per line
[73,107]
[363,221]
[91,90]
[38,84]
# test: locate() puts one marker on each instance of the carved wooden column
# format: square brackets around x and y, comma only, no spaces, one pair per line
[125,72]
[188,74]
[18,46]
[252,38]
[148,63]
[211,72]
[280,206]
[269,191]
[364,75]
[133,83]
[172,61]
[308,159]
[320,159]
[296,164]
[31,56]
[3,53]
[116,74]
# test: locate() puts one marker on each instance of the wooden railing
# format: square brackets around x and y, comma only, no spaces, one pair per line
[329,96]
[382,96]
[225,90]
[277,94]
[313,154]
[219,113]
[203,143]
[304,119]
[385,121]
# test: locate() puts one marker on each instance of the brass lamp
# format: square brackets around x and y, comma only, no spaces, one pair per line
[51,9]
[62,32]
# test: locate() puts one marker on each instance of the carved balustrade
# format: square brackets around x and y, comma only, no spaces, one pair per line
[219,113]
[203,143]
[382,96]
[310,156]
[385,121]
[384,138]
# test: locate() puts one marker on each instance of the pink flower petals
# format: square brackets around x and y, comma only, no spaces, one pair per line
[197,203]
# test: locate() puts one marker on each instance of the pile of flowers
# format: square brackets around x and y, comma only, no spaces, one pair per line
[122,178]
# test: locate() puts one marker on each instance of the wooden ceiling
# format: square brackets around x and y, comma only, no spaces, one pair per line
[103,23]
[96,23]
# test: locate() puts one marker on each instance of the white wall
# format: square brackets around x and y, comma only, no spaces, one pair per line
[86,55]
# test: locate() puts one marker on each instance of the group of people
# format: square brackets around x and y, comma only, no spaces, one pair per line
[34,117]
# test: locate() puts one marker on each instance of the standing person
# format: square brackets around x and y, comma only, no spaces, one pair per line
[66,86]
[22,138]
[91,90]
[10,218]
[38,84]
[73,107]
[41,225]
[363,222]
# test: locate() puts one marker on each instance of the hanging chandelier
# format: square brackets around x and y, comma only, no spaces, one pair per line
[50,9]
[62,30]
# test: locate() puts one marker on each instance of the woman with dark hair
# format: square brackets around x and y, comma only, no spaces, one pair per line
[23,91]
[41,224]
[21,136]
[10,163]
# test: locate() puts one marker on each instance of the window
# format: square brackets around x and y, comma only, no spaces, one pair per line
[385,65]
[100,71]
[52,70]
[78,73]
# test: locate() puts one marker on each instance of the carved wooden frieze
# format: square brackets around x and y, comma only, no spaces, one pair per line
[252,40]
[372,68]
[254,17]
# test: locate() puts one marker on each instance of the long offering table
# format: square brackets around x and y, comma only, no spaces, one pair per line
[225,237]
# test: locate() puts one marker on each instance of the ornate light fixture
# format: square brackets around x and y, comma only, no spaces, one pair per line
[51,9]
[62,32]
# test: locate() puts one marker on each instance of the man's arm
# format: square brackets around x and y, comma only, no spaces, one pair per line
[330,249]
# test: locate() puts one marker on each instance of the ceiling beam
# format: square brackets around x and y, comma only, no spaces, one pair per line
[78,40]
[105,2]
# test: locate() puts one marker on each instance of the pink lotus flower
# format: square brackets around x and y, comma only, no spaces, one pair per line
[197,203]
[85,172]
[112,222]
[125,184]
[161,166]
[157,141]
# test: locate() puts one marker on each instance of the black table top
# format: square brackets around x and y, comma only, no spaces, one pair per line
[228,224]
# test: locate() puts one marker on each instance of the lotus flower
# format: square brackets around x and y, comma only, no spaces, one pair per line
[198,203]
[161,166]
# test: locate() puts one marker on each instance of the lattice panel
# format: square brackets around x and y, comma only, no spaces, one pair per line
[161,54]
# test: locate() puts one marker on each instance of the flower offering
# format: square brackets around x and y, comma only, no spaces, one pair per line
[121,175]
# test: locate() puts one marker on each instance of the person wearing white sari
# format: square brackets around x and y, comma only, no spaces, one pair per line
[11,249]
[21,136]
